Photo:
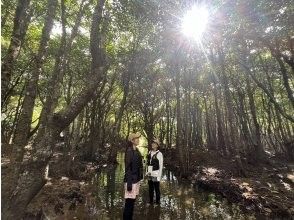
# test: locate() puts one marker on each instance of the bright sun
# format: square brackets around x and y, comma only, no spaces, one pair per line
[194,22]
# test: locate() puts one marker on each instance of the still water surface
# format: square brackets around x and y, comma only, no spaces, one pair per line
[179,201]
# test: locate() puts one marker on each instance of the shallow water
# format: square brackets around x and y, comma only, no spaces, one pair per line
[179,200]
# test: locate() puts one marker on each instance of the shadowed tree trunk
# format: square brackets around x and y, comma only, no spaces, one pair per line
[60,65]
[27,179]
[285,78]
[268,93]
[179,134]
[21,21]
[24,123]
[256,131]
[167,109]
[117,126]
[231,119]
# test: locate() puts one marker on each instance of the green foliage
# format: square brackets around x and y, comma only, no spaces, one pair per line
[145,48]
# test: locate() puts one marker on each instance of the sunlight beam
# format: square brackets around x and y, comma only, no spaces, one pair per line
[194,22]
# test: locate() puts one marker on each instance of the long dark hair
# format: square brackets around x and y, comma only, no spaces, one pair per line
[129,144]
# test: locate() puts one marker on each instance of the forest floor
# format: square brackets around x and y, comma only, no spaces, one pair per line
[267,188]
[66,187]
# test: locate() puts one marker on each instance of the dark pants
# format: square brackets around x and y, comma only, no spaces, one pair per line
[154,185]
[129,209]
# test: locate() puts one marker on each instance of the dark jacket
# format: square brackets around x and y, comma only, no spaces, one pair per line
[133,167]
[154,162]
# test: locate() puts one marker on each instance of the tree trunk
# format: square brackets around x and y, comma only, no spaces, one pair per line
[8,132]
[167,109]
[231,120]
[197,139]
[221,144]
[179,135]
[285,78]
[26,181]
[208,130]
[245,136]
[61,61]
[21,21]
[257,131]
[268,93]
[117,126]
[24,124]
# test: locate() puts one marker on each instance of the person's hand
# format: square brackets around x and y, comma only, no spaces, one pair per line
[147,175]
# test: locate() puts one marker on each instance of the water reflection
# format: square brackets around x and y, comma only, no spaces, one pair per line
[180,200]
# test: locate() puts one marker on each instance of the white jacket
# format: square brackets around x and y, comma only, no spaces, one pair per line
[157,173]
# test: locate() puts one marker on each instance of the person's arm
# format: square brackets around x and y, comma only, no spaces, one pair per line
[147,162]
[160,158]
[128,169]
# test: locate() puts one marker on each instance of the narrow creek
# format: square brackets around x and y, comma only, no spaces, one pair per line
[179,200]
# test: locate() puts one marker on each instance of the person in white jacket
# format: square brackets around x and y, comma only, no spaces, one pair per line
[154,171]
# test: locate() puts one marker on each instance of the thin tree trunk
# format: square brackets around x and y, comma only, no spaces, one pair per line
[21,21]
[179,135]
[220,140]
[16,116]
[257,131]
[208,129]
[59,69]
[167,109]
[231,119]
[245,135]
[285,77]
[24,124]
[267,92]
[25,181]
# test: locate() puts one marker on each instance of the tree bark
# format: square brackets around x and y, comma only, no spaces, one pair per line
[20,26]
[268,93]
[27,179]
[179,134]
[257,131]
[24,123]
[167,109]
[61,60]
[231,119]
[286,80]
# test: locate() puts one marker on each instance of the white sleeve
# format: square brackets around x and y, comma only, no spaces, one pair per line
[149,168]
[160,158]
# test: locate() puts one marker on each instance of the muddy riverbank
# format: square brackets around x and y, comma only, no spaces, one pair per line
[267,190]
[101,197]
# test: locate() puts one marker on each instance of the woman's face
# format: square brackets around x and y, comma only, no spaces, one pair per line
[154,146]
[136,141]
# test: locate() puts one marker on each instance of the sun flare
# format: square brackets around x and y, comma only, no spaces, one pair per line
[195,21]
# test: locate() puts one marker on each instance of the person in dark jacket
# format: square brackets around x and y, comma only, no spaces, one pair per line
[133,174]
[154,171]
